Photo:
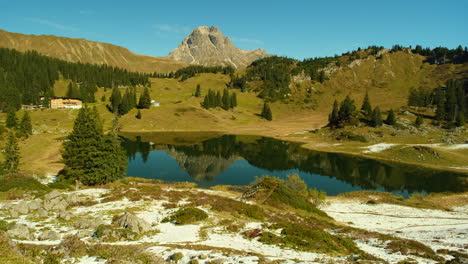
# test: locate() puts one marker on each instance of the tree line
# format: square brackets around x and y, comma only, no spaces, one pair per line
[346,113]
[121,105]
[192,70]
[215,99]
[450,101]
[24,77]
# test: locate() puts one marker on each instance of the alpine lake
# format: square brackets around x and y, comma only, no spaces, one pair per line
[210,159]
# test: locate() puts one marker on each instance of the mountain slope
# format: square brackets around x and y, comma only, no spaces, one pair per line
[86,51]
[208,46]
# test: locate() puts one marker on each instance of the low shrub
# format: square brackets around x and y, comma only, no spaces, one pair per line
[185,216]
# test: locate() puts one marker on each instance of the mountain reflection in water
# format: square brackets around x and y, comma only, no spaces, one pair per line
[237,160]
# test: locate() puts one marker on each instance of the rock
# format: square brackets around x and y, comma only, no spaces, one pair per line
[203,256]
[49,235]
[42,213]
[84,233]
[64,215]
[21,208]
[217,261]
[35,205]
[20,231]
[88,223]
[54,201]
[74,199]
[208,46]
[52,195]
[132,222]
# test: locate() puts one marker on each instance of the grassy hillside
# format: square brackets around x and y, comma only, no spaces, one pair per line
[86,51]
[388,81]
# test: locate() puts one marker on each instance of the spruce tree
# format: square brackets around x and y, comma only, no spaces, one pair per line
[115,99]
[391,119]
[11,121]
[11,154]
[347,112]
[25,126]
[376,120]
[366,107]
[440,112]
[266,112]
[333,119]
[460,120]
[198,91]
[218,100]
[419,121]
[233,100]
[226,102]
[90,156]
[145,100]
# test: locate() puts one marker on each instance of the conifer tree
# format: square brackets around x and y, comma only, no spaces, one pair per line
[376,120]
[391,119]
[198,91]
[419,121]
[366,107]
[266,112]
[115,99]
[90,156]
[218,99]
[11,154]
[347,111]
[440,112]
[226,102]
[11,121]
[333,119]
[145,100]
[460,120]
[233,100]
[25,126]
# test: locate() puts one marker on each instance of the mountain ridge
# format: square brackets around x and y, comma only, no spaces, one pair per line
[87,51]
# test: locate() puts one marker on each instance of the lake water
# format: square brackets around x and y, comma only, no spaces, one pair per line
[236,160]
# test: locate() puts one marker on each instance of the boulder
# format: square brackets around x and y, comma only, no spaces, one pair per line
[21,208]
[49,235]
[20,231]
[54,201]
[35,205]
[88,223]
[64,215]
[42,213]
[132,222]
[84,233]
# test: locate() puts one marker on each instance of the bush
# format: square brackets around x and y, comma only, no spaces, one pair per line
[309,239]
[5,226]
[294,182]
[279,193]
[317,197]
[185,216]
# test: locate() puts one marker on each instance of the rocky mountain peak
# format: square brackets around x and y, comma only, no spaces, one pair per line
[208,46]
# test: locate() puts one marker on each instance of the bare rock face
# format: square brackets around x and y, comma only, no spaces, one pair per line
[208,46]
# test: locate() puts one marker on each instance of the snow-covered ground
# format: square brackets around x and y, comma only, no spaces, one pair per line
[437,229]
[434,228]
[378,147]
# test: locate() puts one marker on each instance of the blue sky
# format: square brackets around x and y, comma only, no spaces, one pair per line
[298,29]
